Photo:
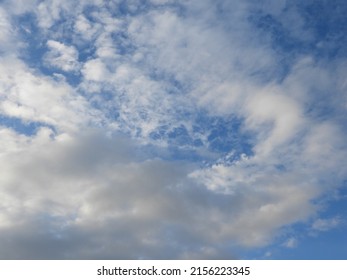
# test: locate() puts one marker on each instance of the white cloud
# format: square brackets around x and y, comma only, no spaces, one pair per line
[326,224]
[271,199]
[48,13]
[86,28]
[271,107]
[5,28]
[89,185]
[40,99]
[291,243]
[20,6]
[9,43]
[95,187]
[95,70]
[62,56]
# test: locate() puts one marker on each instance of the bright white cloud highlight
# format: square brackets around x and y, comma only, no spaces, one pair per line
[40,99]
[61,56]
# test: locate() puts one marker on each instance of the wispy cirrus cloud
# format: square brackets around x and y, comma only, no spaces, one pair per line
[326,224]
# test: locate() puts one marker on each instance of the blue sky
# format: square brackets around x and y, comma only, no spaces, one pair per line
[168,129]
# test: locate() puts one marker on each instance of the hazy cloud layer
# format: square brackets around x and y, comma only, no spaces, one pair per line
[167,129]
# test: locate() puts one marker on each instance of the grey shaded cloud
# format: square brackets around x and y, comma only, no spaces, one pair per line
[91,196]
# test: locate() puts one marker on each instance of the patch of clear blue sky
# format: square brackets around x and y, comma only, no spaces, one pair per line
[325,20]
[330,244]
[22,126]
[29,33]
[224,135]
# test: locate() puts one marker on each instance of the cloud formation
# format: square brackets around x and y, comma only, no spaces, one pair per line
[326,224]
[62,56]
[166,129]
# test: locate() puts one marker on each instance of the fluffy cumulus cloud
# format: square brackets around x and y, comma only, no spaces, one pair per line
[31,97]
[169,129]
[62,56]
